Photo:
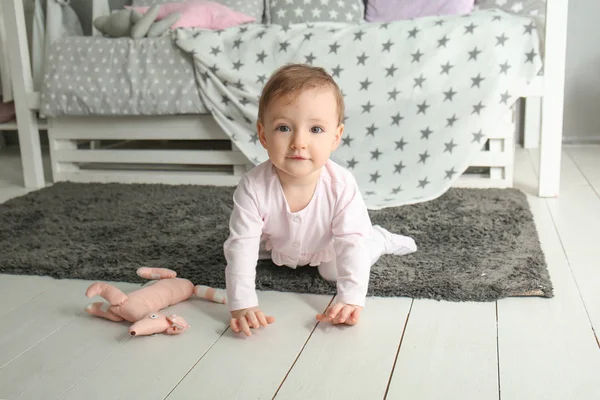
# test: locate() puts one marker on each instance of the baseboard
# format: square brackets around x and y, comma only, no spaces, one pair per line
[574,140]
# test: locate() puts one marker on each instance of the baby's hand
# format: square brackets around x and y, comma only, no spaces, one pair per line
[246,318]
[341,313]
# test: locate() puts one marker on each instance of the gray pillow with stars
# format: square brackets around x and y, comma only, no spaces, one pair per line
[529,8]
[534,9]
[286,12]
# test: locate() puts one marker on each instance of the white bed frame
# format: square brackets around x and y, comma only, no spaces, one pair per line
[541,122]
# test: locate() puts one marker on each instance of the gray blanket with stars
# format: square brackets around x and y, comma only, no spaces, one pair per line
[421,95]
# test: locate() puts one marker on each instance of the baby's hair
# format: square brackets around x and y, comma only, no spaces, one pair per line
[292,79]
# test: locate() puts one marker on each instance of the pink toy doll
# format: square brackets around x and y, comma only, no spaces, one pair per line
[141,307]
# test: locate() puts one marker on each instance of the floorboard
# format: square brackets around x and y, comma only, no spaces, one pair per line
[16,290]
[448,348]
[26,326]
[587,160]
[350,362]
[240,367]
[546,346]
[50,368]
[149,367]
[576,215]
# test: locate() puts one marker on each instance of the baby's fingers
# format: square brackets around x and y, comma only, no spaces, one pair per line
[253,321]
[354,317]
[234,324]
[334,311]
[330,313]
[343,315]
[323,317]
[264,320]
[245,327]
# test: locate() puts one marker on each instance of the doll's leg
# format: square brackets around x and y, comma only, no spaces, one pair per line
[102,310]
[111,293]
[208,293]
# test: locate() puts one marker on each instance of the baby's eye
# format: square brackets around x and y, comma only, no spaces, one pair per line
[153,316]
[316,129]
[283,128]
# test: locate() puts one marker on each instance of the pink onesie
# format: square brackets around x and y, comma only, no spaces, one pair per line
[334,227]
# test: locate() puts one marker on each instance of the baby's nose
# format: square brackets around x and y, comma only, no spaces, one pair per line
[299,141]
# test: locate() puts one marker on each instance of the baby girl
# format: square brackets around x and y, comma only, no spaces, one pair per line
[300,208]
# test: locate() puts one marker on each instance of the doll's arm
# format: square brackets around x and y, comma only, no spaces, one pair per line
[102,310]
[156,273]
[111,293]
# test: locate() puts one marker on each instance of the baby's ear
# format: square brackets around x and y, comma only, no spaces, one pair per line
[260,128]
[339,131]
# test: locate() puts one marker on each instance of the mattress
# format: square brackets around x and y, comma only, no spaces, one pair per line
[108,76]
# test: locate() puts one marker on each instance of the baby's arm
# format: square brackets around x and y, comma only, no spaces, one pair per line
[350,227]
[241,253]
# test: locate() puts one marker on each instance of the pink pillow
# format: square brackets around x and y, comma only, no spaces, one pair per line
[394,10]
[200,14]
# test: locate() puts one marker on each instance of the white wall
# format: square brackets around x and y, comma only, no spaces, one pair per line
[582,87]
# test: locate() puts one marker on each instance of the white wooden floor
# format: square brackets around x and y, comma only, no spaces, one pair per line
[514,349]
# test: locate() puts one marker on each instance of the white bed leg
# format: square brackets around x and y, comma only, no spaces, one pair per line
[60,168]
[553,101]
[496,147]
[7,94]
[29,138]
[510,140]
[238,169]
[533,115]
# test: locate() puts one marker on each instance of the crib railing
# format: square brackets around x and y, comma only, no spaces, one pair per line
[26,99]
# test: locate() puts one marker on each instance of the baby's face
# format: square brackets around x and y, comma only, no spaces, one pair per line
[301,132]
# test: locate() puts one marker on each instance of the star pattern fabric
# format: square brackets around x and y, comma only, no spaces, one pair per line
[416,112]
[286,12]
[518,7]
[535,9]
[93,75]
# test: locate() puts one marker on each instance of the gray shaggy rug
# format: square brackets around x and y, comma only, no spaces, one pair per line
[474,245]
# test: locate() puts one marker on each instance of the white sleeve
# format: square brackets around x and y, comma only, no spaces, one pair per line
[351,227]
[241,248]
